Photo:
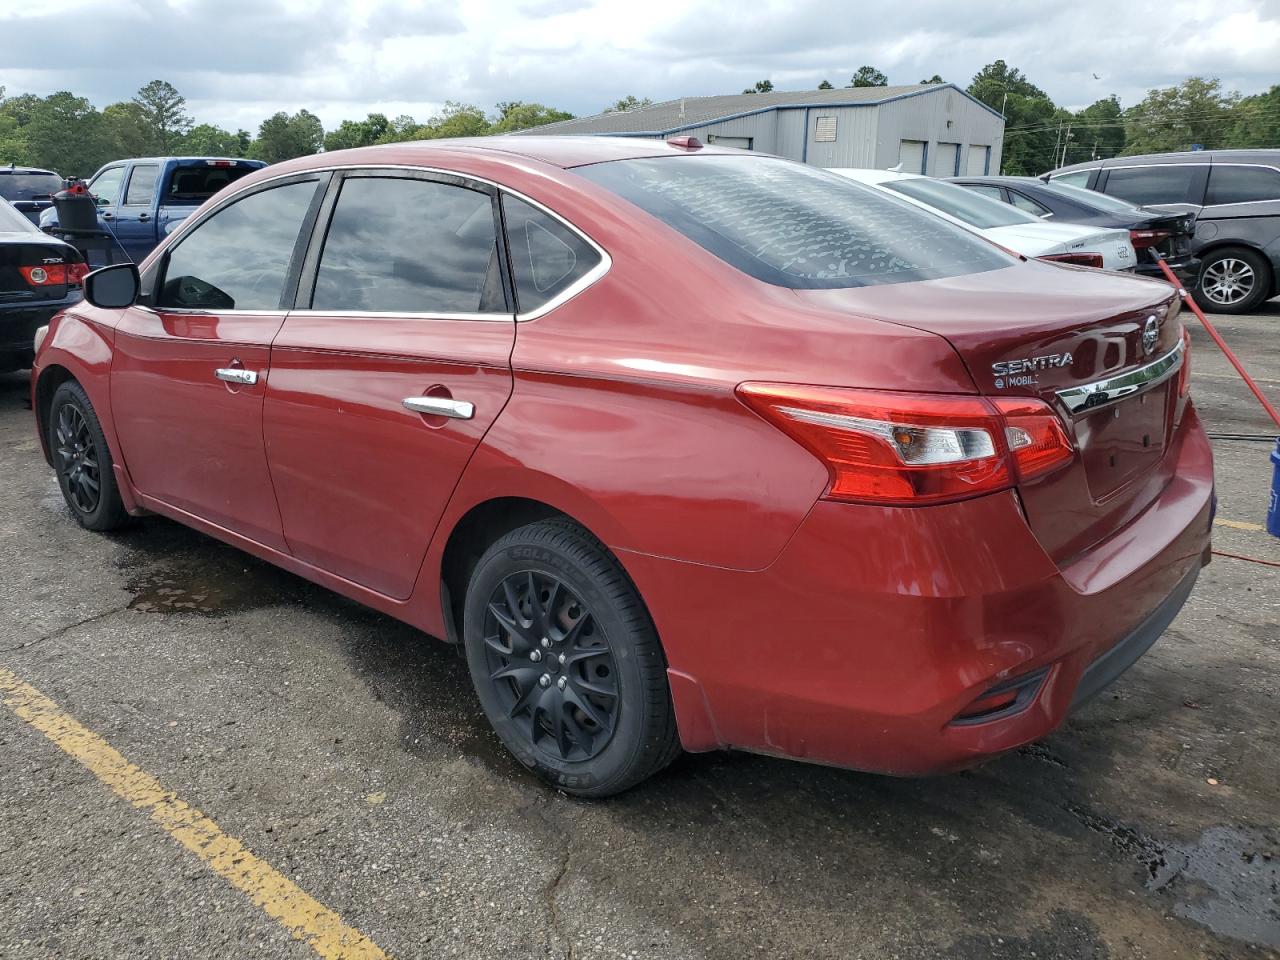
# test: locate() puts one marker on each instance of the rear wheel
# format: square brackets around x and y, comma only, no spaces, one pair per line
[566,661]
[82,460]
[1233,280]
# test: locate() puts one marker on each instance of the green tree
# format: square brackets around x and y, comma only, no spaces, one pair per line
[13,143]
[825,85]
[126,128]
[1255,121]
[208,140]
[164,111]
[1195,111]
[459,120]
[762,86]
[403,128]
[357,133]
[627,103]
[515,115]
[283,137]
[868,77]
[1097,131]
[65,133]
[934,79]
[1032,125]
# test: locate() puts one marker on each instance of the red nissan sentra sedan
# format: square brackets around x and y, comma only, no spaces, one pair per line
[688,447]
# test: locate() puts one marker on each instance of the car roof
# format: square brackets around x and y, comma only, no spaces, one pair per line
[1012,181]
[1268,157]
[16,169]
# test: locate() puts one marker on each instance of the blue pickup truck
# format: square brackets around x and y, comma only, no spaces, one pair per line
[140,201]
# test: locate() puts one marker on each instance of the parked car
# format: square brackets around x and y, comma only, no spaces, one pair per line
[1235,195]
[29,189]
[1151,231]
[1002,224]
[141,201]
[38,277]
[686,446]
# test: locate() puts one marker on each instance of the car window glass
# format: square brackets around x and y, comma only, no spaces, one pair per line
[238,258]
[1027,205]
[546,256]
[409,246]
[106,186]
[977,211]
[1092,198]
[1076,178]
[192,184]
[794,225]
[28,186]
[1240,184]
[985,190]
[142,185]
[11,221]
[1158,183]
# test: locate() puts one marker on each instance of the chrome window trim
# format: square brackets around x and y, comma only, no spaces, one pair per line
[569,292]
[504,317]
[1088,397]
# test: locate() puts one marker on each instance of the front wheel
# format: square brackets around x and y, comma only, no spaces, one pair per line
[566,661]
[1233,280]
[82,460]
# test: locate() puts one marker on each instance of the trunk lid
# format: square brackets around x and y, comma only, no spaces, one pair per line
[16,253]
[1041,335]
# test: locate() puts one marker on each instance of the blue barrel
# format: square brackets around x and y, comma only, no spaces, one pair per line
[1273,511]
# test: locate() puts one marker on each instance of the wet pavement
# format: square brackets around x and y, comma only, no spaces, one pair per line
[347,750]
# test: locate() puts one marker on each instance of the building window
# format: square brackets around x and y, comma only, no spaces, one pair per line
[741,143]
[824,130]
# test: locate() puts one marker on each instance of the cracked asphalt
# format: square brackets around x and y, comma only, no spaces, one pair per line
[348,752]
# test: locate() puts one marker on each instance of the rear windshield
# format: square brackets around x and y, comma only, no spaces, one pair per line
[196,184]
[794,225]
[1092,197]
[961,203]
[11,221]
[28,186]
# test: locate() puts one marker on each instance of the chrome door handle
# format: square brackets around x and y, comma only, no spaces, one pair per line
[440,407]
[236,375]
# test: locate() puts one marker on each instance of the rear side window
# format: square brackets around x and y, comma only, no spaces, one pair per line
[1163,183]
[142,185]
[985,190]
[28,186]
[1232,184]
[409,246]
[794,225]
[547,258]
[193,185]
[975,210]
[238,258]
[1026,204]
[1076,178]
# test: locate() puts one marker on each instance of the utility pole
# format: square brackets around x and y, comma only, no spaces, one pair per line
[1065,140]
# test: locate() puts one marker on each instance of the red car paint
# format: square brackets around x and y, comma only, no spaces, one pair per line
[793,624]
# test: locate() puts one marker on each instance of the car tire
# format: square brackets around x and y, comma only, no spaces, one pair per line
[566,661]
[1233,280]
[82,460]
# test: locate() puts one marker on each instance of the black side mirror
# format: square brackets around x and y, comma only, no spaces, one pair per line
[113,287]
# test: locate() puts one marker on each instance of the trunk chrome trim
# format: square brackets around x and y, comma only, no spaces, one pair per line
[1088,397]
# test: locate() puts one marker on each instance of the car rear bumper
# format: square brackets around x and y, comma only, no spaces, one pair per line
[19,322]
[876,627]
[1187,270]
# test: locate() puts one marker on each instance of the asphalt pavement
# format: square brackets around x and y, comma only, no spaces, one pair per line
[323,768]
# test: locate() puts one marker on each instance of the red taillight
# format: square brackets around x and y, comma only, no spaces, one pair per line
[906,448]
[1184,375]
[76,272]
[1076,259]
[44,276]
[1141,239]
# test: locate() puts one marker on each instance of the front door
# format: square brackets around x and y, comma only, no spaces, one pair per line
[135,226]
[191,362]
[387,378]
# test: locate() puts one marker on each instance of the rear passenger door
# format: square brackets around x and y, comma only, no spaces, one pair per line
[388,372]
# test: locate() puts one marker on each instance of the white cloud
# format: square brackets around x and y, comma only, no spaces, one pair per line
[238,61]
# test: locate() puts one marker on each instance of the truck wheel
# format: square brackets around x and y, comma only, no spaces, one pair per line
[566,661]
[1233,280]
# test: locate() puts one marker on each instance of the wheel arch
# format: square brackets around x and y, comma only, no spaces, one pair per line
[51,377]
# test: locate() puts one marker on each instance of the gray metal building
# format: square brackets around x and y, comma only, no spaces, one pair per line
[935,129]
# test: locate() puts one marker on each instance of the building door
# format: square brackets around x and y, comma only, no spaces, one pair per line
[947,163]
[912,155]
[976,165]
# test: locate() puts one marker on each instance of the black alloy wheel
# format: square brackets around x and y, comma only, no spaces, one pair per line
[82,460]
[78,461]
[566,661]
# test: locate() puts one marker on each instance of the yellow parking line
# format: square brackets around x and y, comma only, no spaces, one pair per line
[305,917]
[1238,524]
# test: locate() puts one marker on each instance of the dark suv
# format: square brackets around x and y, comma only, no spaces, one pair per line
[1235,195]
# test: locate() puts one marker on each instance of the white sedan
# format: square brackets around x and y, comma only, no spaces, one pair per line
[1006,225]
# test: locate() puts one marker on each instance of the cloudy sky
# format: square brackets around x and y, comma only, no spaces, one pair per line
[238,61]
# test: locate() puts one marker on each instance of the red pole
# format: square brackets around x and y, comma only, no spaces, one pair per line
[1217,338]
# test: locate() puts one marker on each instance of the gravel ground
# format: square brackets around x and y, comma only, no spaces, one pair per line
[347,751]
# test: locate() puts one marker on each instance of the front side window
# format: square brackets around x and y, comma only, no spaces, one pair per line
[238,258]
[142,185]
[1163,183]
[981,212]
[1239,184]
[547,258]
[793,225]
[400,245]
[106,186]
